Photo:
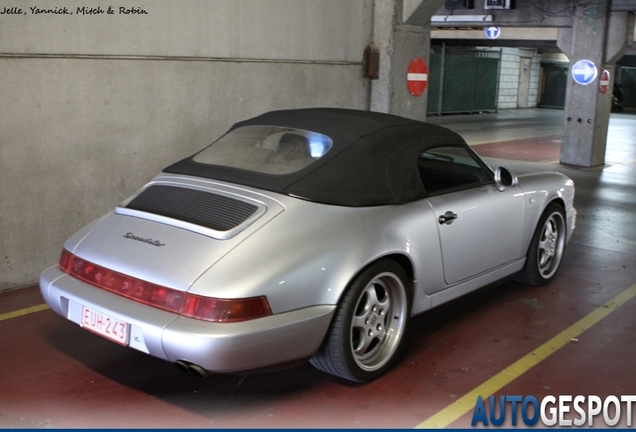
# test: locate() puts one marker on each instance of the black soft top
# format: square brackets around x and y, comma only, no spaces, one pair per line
[373,160]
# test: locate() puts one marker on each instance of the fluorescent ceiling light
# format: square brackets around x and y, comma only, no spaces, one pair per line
[461,18]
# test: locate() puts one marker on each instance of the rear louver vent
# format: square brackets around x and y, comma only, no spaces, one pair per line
[216,212]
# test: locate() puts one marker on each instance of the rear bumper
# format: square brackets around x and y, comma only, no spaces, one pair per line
[216,347]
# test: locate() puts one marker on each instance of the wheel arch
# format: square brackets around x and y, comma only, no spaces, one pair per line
[556,200]
[401,259]
[532,271]
[536,219]
[404,262]
[331,357]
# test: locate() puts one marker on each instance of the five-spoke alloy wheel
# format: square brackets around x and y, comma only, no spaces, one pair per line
[369,325]
[547,247]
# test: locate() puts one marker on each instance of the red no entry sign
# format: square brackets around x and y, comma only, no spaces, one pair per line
[417,76]
[604,82]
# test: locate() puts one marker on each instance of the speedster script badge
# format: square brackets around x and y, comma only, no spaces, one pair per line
[150,241]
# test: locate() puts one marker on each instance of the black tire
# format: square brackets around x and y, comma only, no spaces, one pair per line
[368,328]
[546,249]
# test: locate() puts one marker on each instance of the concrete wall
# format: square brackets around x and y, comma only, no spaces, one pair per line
[93,106]
[509,77]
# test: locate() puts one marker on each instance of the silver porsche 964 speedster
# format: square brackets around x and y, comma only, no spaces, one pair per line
[309,234]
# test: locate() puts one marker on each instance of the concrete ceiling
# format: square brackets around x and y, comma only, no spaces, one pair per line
[528,24]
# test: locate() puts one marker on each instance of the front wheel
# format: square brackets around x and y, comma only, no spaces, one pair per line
[369,325]
[547,247]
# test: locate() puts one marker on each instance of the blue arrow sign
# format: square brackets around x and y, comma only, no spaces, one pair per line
[492,32]
[584,72]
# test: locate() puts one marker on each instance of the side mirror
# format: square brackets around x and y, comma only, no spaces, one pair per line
[504,178]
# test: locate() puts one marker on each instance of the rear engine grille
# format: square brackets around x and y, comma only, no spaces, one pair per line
[209,210]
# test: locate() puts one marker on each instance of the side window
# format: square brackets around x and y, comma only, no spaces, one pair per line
[448,168]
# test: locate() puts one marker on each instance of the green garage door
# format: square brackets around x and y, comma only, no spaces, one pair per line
[554,78]
[626,76]
[467,79]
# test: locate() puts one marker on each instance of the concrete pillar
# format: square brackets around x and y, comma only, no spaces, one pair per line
[586,109]
[399,43]
[383,19]
[409,42]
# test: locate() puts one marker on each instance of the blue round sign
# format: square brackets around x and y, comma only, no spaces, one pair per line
[492,32]
[584,72]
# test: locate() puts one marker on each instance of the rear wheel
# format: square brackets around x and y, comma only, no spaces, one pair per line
[369,325]
[547,247]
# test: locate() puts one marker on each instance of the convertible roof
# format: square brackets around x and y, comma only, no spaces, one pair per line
[373,160]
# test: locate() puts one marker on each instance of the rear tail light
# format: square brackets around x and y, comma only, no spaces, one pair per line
[223,310]
[168,299]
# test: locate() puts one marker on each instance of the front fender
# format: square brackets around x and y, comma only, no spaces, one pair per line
[541,189]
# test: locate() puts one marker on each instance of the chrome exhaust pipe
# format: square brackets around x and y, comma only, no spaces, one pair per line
[192,369]
[182,366]
[198,371]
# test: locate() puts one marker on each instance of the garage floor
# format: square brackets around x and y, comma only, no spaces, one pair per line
[574,336]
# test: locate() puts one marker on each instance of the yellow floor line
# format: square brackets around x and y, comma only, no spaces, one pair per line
[25,311]
[467,402]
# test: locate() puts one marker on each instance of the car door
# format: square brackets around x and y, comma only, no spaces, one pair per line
[479,226]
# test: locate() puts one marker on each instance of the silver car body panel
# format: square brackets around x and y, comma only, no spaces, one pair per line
[301,255]
[217,347]
[145,245]
[472,243]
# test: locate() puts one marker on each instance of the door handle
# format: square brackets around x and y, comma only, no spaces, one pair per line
[447,218]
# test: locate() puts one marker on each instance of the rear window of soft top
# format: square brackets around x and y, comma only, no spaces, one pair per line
[266,149]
